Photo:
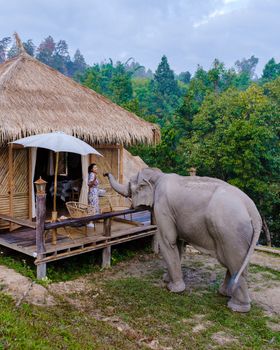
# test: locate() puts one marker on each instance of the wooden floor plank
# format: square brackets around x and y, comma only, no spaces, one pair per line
[99,245]
[21,222]
[24,239]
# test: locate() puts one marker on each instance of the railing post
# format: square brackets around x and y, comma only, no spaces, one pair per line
[106,252]
[155,242]
[40,222]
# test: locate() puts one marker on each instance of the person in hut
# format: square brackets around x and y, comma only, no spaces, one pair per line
[93,187]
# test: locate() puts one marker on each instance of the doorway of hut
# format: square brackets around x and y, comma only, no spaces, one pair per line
[69,180]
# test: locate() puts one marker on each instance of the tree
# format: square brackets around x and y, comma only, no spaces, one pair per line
[138,70]
[12,52]
[185,77]
[271,70]
[165,83]
[29,47]
[46,50]
[247,66]
[113,81]
[164,93]
[79,64]
[120,85]
[4,43]
[235,137]
[61,57]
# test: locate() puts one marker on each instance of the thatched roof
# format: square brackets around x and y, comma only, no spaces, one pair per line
[35,98]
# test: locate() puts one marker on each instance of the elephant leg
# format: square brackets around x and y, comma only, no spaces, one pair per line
[170,252]
[181,246]
[240,300]
[227,237]
[224,286]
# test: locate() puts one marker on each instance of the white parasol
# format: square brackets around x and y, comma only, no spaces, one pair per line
[57,142]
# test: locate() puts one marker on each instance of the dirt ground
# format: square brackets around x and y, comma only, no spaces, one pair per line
[199,270]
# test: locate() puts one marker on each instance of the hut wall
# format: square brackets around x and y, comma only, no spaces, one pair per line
[21,183]
[15,197]
[14,183]
[4,184]
[110,162]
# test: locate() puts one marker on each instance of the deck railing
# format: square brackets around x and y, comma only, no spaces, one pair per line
[87,219]
[104,241]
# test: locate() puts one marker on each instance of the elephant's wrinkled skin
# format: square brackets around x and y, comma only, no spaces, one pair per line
[209,214]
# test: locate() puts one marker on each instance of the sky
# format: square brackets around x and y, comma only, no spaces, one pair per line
[188,32]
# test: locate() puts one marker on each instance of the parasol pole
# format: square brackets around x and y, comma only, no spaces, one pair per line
[54,213]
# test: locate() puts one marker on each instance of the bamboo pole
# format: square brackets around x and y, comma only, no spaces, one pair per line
[121,164]
[55,181]
[30,184]
[11,183]
[54,212]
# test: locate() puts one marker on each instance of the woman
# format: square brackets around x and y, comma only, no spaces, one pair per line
[93,187]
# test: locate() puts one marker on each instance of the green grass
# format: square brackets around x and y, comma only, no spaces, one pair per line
[62,327]
[171,317]
[57,271]
[73,267]
[266,272]
[147,307]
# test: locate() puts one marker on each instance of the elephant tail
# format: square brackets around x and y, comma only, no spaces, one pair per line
[257,226]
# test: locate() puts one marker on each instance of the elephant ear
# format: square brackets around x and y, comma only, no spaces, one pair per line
[149,193]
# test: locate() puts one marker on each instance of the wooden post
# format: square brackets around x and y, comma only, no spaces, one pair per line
[55,181]
[11,183]
[192,171]
[121,164]
[155,242]
[30,184]
[106,252]
[40,223]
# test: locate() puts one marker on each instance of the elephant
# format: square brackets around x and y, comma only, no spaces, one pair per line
[211,215]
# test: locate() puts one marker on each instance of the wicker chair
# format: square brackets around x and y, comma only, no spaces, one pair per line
[79,210]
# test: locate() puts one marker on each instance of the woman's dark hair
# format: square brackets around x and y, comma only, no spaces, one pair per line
[90,167]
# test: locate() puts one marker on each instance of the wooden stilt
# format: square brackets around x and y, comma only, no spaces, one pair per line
[41,271]
[106,252]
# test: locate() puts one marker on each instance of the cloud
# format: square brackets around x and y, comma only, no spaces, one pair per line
[189,32]
[223,8]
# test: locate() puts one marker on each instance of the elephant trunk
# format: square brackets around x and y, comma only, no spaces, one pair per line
[121,189]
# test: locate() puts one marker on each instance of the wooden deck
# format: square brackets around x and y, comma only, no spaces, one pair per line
[74,237]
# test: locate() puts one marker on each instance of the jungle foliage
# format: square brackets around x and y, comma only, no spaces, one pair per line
[227,127]
[223,121]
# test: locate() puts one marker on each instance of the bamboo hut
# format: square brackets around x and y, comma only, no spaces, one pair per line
[35,98]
